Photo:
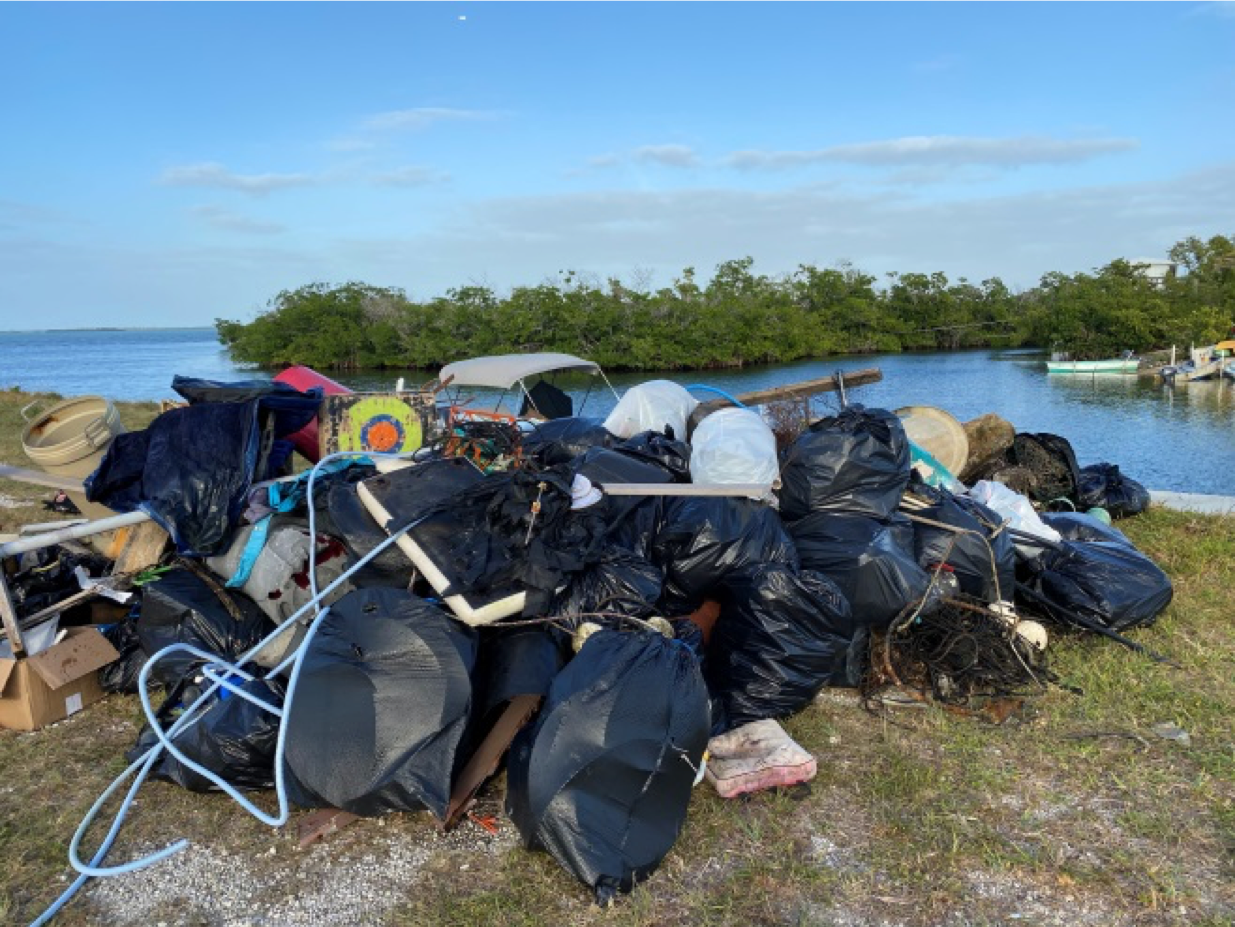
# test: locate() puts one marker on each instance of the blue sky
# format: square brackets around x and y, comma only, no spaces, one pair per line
[165,164]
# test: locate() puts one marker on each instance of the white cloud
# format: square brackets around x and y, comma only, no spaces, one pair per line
[413,175]
[230,221]
[422,117]
[942,150]
[1224,9]
[668,155]
[520,239]
[213,174]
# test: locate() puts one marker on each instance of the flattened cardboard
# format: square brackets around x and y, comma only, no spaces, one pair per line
[82,651]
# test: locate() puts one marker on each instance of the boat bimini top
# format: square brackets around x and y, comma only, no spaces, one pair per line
[506,371]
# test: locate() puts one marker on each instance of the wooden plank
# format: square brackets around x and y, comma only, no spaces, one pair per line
[805,388]
[39,478]
[488,755]
[788,392]
[9,616]
[316,825]
[143,548]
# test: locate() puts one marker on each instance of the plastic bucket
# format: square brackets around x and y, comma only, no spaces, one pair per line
[70,439]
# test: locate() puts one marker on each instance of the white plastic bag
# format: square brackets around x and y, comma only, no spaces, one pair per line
[658,405]
[1018,510]
[734,446]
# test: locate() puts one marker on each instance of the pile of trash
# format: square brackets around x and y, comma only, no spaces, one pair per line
[624,609]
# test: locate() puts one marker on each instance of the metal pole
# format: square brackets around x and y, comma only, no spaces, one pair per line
[51,538]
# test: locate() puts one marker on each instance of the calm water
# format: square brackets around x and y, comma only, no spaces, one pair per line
[1181,439]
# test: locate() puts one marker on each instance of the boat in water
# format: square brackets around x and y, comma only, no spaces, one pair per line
[1208,363]
[1127,364]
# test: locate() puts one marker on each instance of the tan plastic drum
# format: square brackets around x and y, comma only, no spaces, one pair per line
[70,439]
[938,433]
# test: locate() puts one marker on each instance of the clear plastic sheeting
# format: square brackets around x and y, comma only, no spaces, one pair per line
[658,405]
[734,446]
[1017,510]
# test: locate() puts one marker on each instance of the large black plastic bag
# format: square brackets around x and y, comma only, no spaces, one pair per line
[781,637]
[673,456]
[1110,583]
[182,608]
[1103,485]
[191,469]
[856,463]
[603,779]
[352,524]
[233,738]
[984,560]
[381,703]
[1079,526]
[564,439]
[703,539]
[870,560]
[621,583]
[121,675]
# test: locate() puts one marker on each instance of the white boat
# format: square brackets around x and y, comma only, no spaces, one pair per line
[1126,364]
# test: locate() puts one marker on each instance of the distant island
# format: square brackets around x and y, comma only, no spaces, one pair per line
[741,317]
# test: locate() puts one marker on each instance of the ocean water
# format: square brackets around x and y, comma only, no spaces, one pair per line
[1180,439]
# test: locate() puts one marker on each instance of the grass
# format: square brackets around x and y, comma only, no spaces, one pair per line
[1075,812]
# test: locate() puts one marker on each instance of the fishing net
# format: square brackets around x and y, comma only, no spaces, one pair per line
[964,655]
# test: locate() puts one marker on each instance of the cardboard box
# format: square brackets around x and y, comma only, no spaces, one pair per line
[60,681]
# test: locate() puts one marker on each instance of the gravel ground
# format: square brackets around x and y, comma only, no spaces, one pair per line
[353,877]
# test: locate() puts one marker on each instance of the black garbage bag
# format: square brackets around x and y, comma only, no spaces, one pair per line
[631,521]
[512,532]
[234,738]
[1052,462]
[183,608]
[703,539]
[1079,526]
[381,703]
[982,557]
[515,661]
[870,560]
[564,439]
[1109,583]
[121,675]
[603,779]
[605,465]
[856,463]
[672,455]
[190,471]
[781,637]
[1104,486]
[351,523]
[621,582]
